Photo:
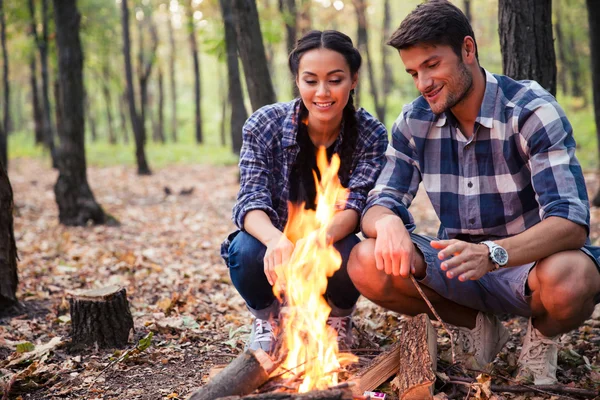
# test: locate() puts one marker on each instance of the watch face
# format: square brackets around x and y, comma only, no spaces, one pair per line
[500,256]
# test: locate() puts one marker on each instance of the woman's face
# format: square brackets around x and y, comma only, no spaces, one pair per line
[324,81]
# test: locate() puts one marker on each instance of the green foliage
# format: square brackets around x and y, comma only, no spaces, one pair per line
[25,347]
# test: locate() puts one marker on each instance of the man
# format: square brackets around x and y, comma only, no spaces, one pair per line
[496,158]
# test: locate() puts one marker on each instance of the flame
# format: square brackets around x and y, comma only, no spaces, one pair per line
[312,348]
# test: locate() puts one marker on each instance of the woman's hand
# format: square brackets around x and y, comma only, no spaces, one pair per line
[279,251]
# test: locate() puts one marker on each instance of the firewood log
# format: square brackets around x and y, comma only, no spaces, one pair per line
[244,375]
[101,317]
[332,394]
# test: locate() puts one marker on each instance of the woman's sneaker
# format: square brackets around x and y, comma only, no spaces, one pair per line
[538,359]
[343,327]
[262,335]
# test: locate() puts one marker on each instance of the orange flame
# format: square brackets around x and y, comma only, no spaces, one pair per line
[311,344]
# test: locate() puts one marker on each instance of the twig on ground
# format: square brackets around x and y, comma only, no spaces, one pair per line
[437,316]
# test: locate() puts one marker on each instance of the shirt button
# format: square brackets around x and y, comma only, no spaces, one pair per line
[472,221]
[470,184]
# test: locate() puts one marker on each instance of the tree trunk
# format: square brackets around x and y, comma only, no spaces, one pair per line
[594,25]
[562,50]
[76,203]
[123,118]
[305,24]
[290,17]
[172,82]
[91,118]
[525,28]
[4,124]
[236,95]
[139,131]
[363,40]
[161,108]
[36,107]
[252,53]
[43,49]
[112,139]
[575,67]
[9,278]
[196,58]
[223,99]
[101,317]
[388,76]
[468,13]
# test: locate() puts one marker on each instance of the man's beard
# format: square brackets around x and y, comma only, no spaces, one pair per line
[464,85]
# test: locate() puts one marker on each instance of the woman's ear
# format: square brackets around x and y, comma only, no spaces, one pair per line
[354,80]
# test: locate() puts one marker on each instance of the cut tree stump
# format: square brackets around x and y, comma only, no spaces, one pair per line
[379,370]
[243,376]
[418,359]
[101,317]
[332,394]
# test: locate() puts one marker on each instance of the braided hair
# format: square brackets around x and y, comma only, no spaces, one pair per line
[340,43]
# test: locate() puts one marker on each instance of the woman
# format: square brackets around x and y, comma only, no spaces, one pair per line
[277,160]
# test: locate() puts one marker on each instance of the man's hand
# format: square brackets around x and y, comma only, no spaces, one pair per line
[394,250]
[470,262]
[279,251]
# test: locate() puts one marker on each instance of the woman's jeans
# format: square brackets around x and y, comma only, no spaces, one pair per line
[246,269]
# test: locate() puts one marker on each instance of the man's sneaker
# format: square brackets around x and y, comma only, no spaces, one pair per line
[262,336]
[538,359]
[343,327]
[477,347]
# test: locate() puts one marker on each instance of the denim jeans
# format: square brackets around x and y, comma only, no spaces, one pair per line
[246,269]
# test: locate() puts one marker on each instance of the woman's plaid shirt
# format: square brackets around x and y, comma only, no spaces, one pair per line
[269,151]
[517,169]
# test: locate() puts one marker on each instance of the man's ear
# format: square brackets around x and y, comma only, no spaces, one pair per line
[354,80]
[469,49]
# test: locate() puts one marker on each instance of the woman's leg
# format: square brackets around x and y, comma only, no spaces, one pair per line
[341,293]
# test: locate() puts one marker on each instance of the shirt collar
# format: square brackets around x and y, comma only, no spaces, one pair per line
[485,116]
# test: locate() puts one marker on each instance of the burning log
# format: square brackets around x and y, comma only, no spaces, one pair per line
[418,359]
[101,317]
[244,375]
[337,394]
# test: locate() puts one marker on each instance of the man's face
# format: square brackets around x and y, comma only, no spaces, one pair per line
[439,74]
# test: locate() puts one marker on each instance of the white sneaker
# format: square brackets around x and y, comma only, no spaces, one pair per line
[478,347]
[538,359]
[262,336]
[343,327]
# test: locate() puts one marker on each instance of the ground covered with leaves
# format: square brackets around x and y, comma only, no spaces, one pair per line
[188,317]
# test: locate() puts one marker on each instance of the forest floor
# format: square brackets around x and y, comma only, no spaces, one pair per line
[166,254]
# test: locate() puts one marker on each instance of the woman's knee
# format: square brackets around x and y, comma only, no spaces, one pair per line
[246,253]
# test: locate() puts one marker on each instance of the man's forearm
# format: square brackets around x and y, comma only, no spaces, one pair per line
[550,236]
[371,217]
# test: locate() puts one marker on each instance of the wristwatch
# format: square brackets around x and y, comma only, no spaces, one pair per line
[498,254]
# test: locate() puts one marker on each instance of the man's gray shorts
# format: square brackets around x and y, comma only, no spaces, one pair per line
[498,292]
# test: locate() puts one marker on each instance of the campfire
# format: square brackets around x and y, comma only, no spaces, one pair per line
[310,344]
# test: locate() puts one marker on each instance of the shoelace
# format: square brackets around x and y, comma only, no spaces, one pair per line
[534,354]
[339,325]
[466,340]
[263,332]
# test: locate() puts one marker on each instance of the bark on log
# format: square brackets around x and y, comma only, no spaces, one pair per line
[332,394]
[244,375]
[377,371]
[418,359]
[101,317]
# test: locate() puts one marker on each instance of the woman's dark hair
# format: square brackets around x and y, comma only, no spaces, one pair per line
[434,22]
[340,43]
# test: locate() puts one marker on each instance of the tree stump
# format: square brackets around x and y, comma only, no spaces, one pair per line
[418,359]
[101,317]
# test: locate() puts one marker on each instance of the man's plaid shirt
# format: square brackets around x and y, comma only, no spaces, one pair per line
[269,151]
[517,169]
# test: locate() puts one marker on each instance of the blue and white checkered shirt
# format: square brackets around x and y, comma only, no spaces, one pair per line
[517,169]
[269,151]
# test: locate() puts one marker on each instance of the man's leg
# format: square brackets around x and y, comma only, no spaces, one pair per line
[399,294]
[564,288]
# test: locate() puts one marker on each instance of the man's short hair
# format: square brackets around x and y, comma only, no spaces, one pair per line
[435,22]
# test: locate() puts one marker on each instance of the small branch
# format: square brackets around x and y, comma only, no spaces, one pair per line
[437,316]
[519,388]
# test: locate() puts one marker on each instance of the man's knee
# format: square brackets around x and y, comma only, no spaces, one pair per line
[566,281]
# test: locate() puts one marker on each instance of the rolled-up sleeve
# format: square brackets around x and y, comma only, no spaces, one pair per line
[255,176]
[399,180]
[556,175]
[367,168]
